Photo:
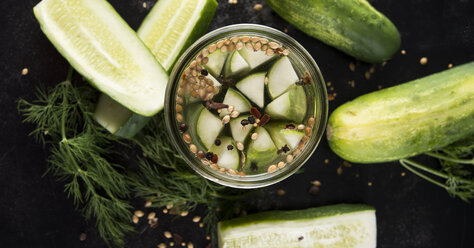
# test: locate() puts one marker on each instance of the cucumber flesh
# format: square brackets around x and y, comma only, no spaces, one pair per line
[282,136]
[234,98]
[343,225]
[289,106]
[280,77]
[260,152]
[216,62]
[238,133]
[208,127]
[253,87]
[100,45]
[255,58]
[235,65]
[110,114]
[226,158]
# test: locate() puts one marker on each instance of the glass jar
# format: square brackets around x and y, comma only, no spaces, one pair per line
[303,64]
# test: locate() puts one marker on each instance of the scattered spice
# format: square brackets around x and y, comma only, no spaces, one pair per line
[367,75]
[265,119]
[351,83]
[326,161]
[82,236]
[369,184]
[423,61]
[162,245]
[151,215]
[24,71]
[184,213]
[171,243]
[281,192]
[254,111]
[316,183]
[190,245]
[313,190]
[208,237]
[402,174]
[217,142]
[144,5]
[135,219]
[352,66]
[403,52]
[153,222]
[148,204]
[139,213]
[339,171]
[258,7]
[183,127]
[167,234]
[450,66]
[357,175]
[196,219]
[230,147]
[346,164]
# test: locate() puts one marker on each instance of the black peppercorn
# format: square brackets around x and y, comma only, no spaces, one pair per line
[204,72]
[251,119]
[209,155]
[217,142]
[230,147]
[244,122]
[183,127]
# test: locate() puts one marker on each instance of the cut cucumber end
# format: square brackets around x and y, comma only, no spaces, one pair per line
[253,86]
[234,98]
[216,62]
[280,77]
[235,65]
[239,132]
[260,152]
[255,58]
[344,225]
[208,127]
[282,136]
[289,106]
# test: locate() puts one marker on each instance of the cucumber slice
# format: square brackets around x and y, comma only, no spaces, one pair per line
[342,225]
[234,98]
[282,136]
[216,82]
[253,87]
[208,127]
[173,25]
[255,58]
[289,106]
[238,133]
[100,45]
[216,62]
[235,65]
[228,159]
[260,152]
[280,77]
[117,119]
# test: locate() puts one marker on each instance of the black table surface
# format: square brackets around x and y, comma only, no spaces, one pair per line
[35,212]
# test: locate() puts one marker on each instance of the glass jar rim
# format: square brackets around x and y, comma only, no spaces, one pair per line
[253,181]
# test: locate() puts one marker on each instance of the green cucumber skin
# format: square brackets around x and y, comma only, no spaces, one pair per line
[199,29]
[279,217]
[405,120]
[133,126]
[352,26]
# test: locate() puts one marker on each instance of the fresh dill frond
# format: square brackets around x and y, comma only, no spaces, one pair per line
[455,172]
[78,156]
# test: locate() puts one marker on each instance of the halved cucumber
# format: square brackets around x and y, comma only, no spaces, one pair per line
[117,119]
[280,77]
[235,65]
[260,152]
[100,45]
[255,58]
[289,106]
[234,98]
[239,133]
[216,62]
[208,127]
[282,136]
[253,87]
[336,226]
[173,25]
[226,158]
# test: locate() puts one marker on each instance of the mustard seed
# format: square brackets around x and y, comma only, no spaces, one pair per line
[193,148]
[196,219]
[167,234]
[272,168]
[139,213]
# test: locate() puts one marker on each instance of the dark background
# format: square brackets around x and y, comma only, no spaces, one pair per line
[34,211]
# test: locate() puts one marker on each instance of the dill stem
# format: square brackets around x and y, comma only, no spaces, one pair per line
[451,159]
[429,179]
[424,168]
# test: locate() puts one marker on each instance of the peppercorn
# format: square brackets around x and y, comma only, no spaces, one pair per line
[217,142]
[290,126]
[204,72]
[253,167]
[230,147]
[183,127]
[214,158]
[251,119]
[209,155]
[244,122]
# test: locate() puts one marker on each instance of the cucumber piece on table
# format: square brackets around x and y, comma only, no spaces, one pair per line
[117,119]
[216,62]
[280,77]
[238,132]
[336,226]
[282,136]
[260,152]
[253,86]
[208,127]
[353,27]
[255,58]
[235,65]
[100,45]
[289,106]
[405,120]
[226,158]
[234,98]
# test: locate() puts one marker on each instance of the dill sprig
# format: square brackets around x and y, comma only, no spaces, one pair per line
[455,172]
[78,155]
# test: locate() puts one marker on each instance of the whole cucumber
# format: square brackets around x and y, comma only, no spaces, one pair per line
[405,120]
[352,26]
